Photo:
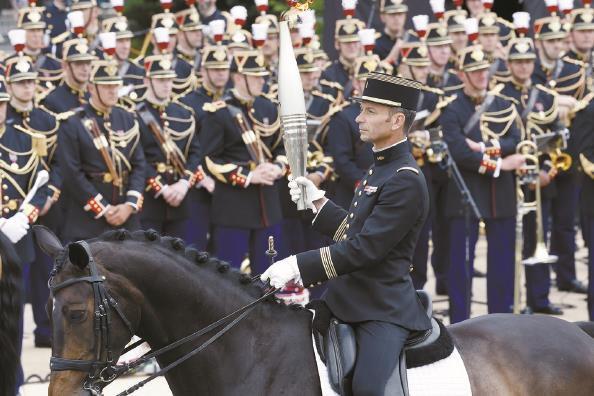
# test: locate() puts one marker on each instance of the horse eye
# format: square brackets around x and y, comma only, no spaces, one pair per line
[77,315]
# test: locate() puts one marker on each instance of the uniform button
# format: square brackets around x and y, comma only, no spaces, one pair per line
[6,198]
[344,237]
[166,123]
[359,193]
[371,171]
[4,186]
[364,182]
[6,210]
[27,119]
[355,204]
[351,215]
[348,226]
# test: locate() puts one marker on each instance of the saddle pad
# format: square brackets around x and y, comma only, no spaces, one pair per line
[446,377]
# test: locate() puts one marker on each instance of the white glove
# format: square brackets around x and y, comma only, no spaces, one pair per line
[15,228]
[311,191]
[282,272]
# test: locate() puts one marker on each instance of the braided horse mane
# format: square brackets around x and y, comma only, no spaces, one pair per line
[10,312]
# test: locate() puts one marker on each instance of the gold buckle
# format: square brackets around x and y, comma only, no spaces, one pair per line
[161,167]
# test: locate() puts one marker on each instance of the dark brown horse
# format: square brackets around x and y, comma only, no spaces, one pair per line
[167,292]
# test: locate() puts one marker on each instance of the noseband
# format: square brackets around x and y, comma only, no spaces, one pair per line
[101,370]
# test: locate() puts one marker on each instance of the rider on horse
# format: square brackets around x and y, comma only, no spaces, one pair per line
[375,240]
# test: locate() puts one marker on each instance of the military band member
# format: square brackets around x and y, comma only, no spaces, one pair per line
[489,39]
[567,77]
[583,123]
[375,238]
[72,91]
[215,76]
[209,12]
[455,21]
[242,147]
[101,159]
[414,64]
[271,45]
[483,147]
[537,106]
[20,161]
[189,36]
[184,71]
[30,19]
[171,149]
[131,72]
[55,17]
[336,77]
[393,16]
[440,73]
[24,115]
[582,39]
[89,22]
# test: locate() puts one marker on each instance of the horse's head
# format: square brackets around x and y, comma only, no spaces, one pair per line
[93,315]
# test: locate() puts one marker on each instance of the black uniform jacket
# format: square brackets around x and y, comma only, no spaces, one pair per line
[178,123]
[64,98]
[584,120]
[19,164]
[228,160]
[494,196]
[375,240]
[87,181]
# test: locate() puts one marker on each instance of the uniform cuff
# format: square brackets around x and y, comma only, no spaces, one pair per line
[98,205]
[31,211]
[134,199]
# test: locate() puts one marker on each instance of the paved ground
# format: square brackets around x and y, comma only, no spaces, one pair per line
[36,361]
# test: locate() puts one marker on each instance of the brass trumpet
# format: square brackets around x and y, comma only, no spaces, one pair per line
[561,161]
[529,175]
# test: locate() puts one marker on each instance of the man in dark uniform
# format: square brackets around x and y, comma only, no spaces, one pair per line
[209,11]
[184,71]
[101,160]
[582,39]
[375,239]
[348,45]
[483,146]
[24,115]
[215,76]
[55,17]
[171,149]
[242,152]
[189,36]
[416,63]
[567,77]
[454,19]
[489,39]
[583,121]
[393,16]
[48,67]
[72,91]
[537,106]
[440,73]
[129,70]
[20,161]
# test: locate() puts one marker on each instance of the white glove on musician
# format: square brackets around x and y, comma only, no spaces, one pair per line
[311,191]
[282,272]
[15,227]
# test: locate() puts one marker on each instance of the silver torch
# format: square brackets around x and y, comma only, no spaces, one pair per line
[292,108]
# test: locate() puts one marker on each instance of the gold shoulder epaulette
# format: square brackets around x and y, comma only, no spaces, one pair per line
[446,100]
[436,91]
[323,95]
[61,37]
[214,106]
[65,115]
[332,84]
[574,61]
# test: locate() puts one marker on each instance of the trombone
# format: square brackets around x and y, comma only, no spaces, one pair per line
[526,176]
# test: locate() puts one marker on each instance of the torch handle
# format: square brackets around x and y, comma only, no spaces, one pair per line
[301,203]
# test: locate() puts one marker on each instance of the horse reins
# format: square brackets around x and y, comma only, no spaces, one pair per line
[103,370]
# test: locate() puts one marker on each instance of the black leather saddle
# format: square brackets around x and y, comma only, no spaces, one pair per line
[338,350]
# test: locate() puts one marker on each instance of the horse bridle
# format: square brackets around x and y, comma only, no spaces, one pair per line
[101,370]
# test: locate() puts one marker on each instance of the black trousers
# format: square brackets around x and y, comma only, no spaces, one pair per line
[378,349]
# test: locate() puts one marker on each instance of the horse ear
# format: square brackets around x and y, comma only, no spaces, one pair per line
[78,255]
[47,241]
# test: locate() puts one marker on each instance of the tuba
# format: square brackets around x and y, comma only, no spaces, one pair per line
[526,176]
